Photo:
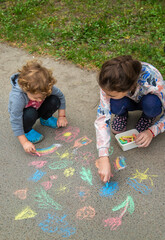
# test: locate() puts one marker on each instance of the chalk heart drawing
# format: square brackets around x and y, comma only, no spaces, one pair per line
[45,201]
[21,194]
[86,213]
[69,172]
[86,175]
[143,176]
[85,158]
[109,191]
[47,185]
[37,164]
[26,213]
[58,225]
[127,205]
[138,186]
[82,142]
[68,134]
[82,193]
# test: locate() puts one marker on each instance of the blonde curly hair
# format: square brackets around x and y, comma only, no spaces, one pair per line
[34,78]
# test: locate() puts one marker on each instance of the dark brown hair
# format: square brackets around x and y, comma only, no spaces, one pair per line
[119,74]
[34,78]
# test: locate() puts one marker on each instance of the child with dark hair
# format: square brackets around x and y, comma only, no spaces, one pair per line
[34,96]
[128,85]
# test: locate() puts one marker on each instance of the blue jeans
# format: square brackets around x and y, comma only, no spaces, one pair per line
[150,105]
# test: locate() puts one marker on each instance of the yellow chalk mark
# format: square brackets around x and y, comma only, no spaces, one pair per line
[143,176]
[26,213]
[67,134]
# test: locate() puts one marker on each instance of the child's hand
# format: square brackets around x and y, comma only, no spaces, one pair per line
[144,138]
[104,168]
[29,147]
[62,122]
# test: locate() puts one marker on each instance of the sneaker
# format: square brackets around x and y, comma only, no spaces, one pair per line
[119,124]
[144,123]
[33,136]
[50,122]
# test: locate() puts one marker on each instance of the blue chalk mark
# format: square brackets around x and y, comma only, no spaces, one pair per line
[37,176]
[81,194]
[109,189]
[138,186]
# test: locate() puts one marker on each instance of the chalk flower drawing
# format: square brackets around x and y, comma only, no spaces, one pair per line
[85,213]
[45,201]
[86,175]
[69,172]
[143,176]
[114,223]
[68,134]
[109,191]
[82,193]
[56,224]
[85,158]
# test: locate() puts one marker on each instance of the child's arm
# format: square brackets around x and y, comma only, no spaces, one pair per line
[104,168]
[62,121]
[27,145]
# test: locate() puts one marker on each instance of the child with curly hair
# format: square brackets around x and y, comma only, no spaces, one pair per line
[34,96]
[128,85]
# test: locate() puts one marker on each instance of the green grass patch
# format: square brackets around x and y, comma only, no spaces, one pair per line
[87,32]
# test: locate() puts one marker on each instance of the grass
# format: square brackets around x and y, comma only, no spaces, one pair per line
[86,32]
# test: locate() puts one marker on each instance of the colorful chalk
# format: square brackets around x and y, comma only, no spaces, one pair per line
[119,163]
[127,139]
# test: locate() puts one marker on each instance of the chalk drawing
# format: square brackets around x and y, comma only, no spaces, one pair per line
[26,213]
[138,186]
[62,189]
[56,224]
[82,142]
[37,164]
[82,193]
[86,175]
[66,155]
[114,223]
[60,164]
[47,185]
[85,158]
[45,201]
[37,176]
[48,150]
[53,177]
[143,176]
[68,134]
[119,163]
[109,191]
[69,172]
[86,213]
[21,194]
[110,150]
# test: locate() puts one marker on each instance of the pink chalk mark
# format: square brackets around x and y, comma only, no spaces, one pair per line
[21,194]
[47,185]
[37,164]
[53,177]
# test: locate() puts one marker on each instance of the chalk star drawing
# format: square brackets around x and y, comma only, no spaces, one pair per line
[62,189]
[114,223]
[26,213]
[69,172]
[68,134]
[109,191]
[143,176]
[82,193]
[85,213]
